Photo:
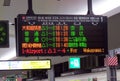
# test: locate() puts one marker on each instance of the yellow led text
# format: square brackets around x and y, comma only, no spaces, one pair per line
[93,50]
[73,50]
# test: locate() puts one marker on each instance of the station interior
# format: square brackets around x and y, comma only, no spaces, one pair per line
[92,66]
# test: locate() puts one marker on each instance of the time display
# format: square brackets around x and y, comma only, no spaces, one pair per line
[61,35]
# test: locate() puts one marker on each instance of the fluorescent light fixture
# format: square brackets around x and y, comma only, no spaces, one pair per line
[19,65]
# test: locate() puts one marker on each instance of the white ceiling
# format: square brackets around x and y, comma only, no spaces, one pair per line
[100,7]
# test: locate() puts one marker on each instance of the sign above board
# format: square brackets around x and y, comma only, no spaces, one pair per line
[53,35]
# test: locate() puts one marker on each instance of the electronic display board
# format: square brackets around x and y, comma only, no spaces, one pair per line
[4,33]
[52,35]
[24,65]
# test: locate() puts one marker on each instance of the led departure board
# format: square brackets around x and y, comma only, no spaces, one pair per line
[53,35]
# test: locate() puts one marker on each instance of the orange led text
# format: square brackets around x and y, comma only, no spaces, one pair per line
[31,45]
[31,28]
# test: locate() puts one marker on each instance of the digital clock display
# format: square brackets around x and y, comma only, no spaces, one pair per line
[52,35]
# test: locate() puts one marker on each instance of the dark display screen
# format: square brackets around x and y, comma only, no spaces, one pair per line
[53,35]
[4,33]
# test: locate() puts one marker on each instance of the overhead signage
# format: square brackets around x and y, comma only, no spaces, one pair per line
[22,65]
[53,35]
